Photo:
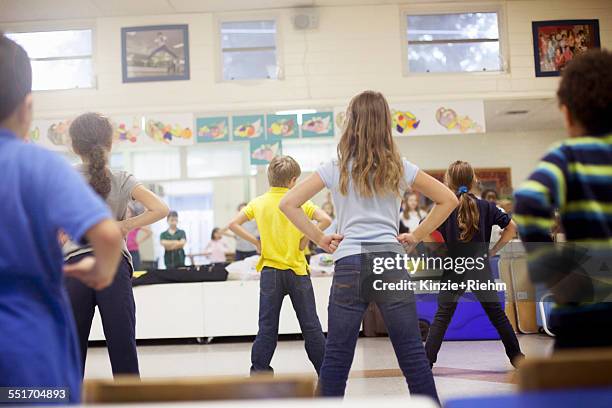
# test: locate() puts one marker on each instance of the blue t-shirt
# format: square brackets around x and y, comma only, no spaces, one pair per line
[364,219]
[40,193]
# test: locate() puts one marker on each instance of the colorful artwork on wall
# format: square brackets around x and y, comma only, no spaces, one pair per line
[282,127]
[248,127]
[263,151]
[452,121]
[170,129]
[404,122]
[128,130]
[51,133]
[319,124]
[212,129]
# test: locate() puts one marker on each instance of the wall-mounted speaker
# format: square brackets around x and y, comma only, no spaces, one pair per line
[305,19]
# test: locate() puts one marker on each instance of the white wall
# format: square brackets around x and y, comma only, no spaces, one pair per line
[354,48]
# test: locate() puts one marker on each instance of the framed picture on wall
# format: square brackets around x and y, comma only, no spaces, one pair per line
[556,43]
[155,53]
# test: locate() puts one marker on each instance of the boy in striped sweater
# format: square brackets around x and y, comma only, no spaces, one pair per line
[575,178]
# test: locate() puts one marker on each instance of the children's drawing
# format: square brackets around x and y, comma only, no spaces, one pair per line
[282,126]
[262,151]
[248,127]
[34,135]
[404,121]
[340,119]
[450,120]
[318,125]
[167,132]
[125,131]
[213,129]
[57,133]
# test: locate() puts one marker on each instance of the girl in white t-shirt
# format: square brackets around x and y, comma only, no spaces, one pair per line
[412,214]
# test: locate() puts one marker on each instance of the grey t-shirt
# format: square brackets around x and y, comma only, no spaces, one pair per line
[364,219]
[244,245]
[122,185]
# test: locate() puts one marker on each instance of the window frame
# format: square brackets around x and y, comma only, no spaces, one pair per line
[61,25]
[422,9]
[243,17]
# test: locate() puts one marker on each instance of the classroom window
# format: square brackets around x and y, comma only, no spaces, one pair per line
[460,42]
[310,154]
[60,59]
[249,50]
[215,162]
[157,165]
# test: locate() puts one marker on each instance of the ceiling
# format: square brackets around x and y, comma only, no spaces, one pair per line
[34,10]
[522,115]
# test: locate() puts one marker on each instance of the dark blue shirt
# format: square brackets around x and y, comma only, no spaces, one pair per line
[39,194]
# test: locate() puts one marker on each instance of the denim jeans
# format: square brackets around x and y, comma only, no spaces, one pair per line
[346,310]
[490,302]
[273,286]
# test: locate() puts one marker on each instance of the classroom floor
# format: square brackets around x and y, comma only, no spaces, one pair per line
[464,368]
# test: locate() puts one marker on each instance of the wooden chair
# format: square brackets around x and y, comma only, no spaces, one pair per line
[130,389]
[580,368]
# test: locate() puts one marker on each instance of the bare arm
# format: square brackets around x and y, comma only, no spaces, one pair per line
[146,234]
[236,227]
[99,270]
[155,210]
[445,202]
[291,206]
[507,235]
[323,221]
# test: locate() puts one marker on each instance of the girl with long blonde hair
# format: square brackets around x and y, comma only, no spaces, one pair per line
[367,182]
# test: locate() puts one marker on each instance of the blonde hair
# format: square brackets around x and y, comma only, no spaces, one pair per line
[281,170]
[460,177]
[367,153]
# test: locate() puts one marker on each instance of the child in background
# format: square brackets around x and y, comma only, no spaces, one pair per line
[574,177]
[91,135]
[41,195]
[173,240]
[367,183]
[244,249]
[136,236]
[216,249]
[467,234]
[412,214]
[282,264]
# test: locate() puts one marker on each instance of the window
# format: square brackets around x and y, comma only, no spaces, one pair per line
[157,165]
[312,154]
[467,42]
[249,50]
[215,162]
[60,59]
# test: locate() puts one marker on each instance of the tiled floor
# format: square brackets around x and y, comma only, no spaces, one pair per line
[464,368]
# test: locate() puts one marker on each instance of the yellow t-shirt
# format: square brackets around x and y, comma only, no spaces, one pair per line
[280,239]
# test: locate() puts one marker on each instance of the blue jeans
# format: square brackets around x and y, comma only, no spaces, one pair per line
[346,310]
[273,286]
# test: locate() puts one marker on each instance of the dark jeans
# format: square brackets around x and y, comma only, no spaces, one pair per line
[274,285]
[489,300]
[118,313]
[240,255]
[135,259]
[346,310]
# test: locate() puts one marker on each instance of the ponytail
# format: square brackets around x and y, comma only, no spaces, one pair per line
[468,217]
[460,178]
[92,137]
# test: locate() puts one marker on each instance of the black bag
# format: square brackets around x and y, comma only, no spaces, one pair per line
[205,273]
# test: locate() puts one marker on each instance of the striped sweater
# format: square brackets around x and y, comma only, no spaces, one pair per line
[574,177]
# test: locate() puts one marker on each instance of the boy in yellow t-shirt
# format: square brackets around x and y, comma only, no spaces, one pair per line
[283,266]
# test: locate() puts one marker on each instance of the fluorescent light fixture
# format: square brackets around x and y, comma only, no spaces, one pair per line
[178,45]
[296,111]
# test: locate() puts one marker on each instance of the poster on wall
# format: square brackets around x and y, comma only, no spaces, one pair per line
[339,119]
[155,53]
[169,129]
[212,129]
[556,43]
[282,127]
[319,124]
[404,122]
[263,151]
[51,134]
[248,127]
[128,130]
[461,117]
